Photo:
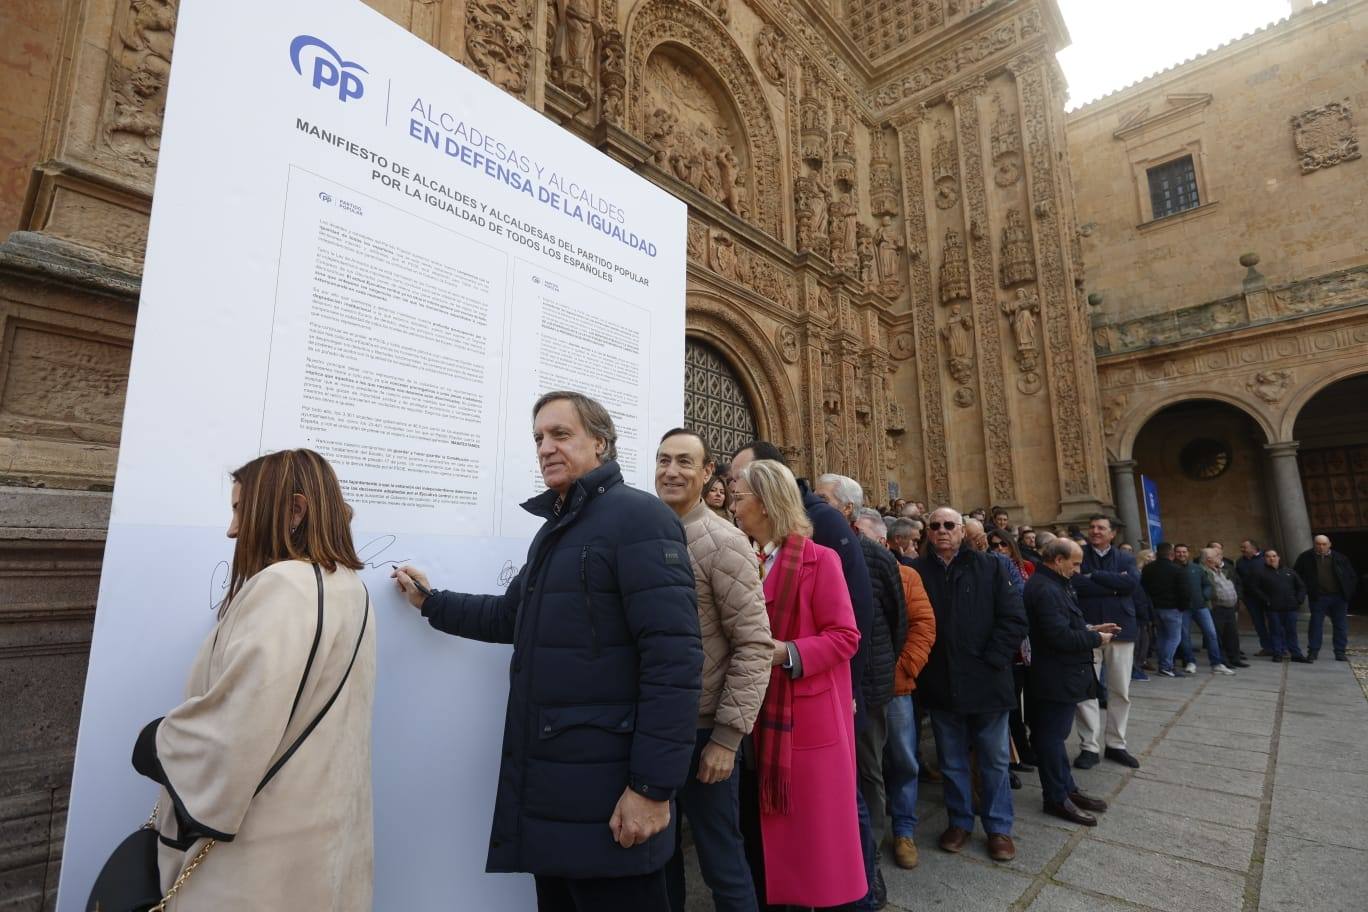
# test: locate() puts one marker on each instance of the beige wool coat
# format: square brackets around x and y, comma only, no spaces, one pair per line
[305,842]
[737,645]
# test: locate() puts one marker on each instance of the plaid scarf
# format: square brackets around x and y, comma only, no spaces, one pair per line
[774,731]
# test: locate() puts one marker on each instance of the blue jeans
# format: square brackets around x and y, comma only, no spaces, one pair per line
[1338,609]
[901,768]
[1051,723]
[1282,631]
[713,812]
[1171,622]
[1213,642]
[986,733]
[1185,651]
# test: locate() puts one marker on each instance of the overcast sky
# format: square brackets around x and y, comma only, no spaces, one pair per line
[1116,43]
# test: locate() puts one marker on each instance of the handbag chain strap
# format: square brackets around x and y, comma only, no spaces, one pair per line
[184,876]
[199,856]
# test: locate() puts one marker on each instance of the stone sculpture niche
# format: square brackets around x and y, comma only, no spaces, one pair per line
[695,131]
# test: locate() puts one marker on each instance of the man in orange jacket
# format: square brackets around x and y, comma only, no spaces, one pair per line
[900,765]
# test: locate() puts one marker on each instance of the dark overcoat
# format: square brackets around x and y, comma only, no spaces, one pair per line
[1061,669]
[604,681]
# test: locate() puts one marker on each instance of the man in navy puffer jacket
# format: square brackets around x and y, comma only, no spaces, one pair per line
[605,677]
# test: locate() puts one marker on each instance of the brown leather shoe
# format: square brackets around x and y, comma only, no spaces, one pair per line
[1070,812]
[905,853]
[1088,803]
[954,838]
[1001,847]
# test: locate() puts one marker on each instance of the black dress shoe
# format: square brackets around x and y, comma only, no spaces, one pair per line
[1302,659]
[1240,663]
[1069,811]
[880,889]
[1087,802]
[1122,756]
[1021,768]
[1014,781]
[1277,658]
[1262,653]
[1341,657]
[1086,760]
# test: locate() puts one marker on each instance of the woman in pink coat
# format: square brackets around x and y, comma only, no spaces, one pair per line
[805,735]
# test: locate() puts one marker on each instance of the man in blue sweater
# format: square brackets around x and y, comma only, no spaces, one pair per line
[1105,587]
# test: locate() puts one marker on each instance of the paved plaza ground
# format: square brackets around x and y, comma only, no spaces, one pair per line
[1252,795]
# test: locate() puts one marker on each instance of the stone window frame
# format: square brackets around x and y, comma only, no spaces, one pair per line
[1140,168]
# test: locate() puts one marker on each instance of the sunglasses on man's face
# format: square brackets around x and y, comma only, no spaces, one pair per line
[937,526]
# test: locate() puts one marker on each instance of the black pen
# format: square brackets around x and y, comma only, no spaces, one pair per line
[426,592]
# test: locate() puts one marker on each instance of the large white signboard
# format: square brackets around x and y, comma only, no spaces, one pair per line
[360,247]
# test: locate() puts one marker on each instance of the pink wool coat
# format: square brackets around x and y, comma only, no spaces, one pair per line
[812,855]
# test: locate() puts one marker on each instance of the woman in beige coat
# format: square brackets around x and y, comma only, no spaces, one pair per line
[303,841]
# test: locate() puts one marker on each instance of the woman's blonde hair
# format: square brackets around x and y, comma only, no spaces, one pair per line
[777,489]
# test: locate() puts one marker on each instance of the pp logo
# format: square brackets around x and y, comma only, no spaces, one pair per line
[329,69]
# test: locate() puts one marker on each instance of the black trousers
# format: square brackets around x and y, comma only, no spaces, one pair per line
[1227,625]
[1016,722]
[642,893]
[1050,726]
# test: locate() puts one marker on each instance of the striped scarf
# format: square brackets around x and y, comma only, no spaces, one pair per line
[774,731]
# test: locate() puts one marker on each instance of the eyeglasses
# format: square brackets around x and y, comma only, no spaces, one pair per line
[1003,545]
[937,526]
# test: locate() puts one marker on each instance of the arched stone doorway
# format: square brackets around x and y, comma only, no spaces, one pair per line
[715,402]
[1209,461]
[1332,432]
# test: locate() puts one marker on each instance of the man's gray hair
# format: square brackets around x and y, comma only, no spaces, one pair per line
[1210,554]
[595,418]
[847,490]
[869,514]
[902,528]
[1057,547]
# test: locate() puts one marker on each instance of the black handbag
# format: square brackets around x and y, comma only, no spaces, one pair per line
[130,880]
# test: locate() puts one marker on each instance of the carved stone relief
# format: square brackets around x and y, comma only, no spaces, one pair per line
[864,252]
[1113,409]
[736,261]
[964,397]
[843,234]
[719,8]
[787,339]
[883,194]
[953,62]
[842,146]
[888,243]
[812,112]
[1018,259]
[1023,313]
[709,58]
[954,273]
[572,46]
[1006,145]
[695,133]
[139,69]
[923,337]
[944,170]
[958,333]
[769,52]
[497,44]
[612,75]
[1270,385]
[1325,136]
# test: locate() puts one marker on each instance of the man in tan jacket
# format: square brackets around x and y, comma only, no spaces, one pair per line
[737,649]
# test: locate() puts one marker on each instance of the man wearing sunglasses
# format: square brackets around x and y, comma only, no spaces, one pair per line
[967,682]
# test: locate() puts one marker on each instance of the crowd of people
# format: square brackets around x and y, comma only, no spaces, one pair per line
[743,650]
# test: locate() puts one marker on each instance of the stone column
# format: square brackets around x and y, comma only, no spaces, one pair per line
[1287,490]
[1127,504]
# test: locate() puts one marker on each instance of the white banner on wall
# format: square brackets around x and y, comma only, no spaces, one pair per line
[361,247]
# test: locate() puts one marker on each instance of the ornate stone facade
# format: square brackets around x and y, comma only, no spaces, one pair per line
[879,254]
